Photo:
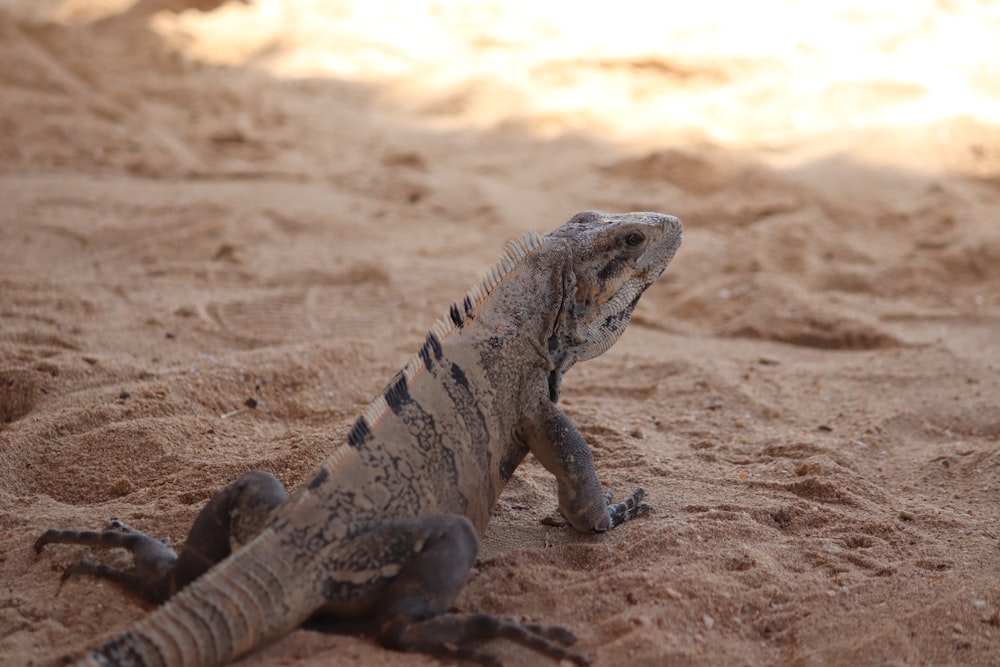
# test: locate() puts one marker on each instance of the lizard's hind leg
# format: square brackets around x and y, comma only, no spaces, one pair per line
[230,518]
[152,558]
[459,636]
[415,616]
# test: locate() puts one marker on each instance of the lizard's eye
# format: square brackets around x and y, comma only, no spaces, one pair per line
[634,239]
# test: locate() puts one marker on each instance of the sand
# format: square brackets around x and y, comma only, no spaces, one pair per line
[224,226]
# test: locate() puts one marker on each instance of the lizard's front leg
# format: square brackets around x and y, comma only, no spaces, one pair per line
[561,448]
[230,518]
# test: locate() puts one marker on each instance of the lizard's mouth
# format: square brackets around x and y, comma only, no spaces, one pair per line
[655,260]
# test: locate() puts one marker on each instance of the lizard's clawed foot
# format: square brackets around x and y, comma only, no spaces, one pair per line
[629,508]
[152,557]
[619,513]
[459,636]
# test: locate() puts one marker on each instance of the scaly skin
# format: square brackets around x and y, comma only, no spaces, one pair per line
[387,529]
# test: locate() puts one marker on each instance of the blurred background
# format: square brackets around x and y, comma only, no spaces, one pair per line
[755,76]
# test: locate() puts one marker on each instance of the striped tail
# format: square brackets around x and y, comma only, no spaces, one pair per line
[242,603]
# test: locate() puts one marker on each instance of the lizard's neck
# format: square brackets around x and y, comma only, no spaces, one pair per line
[530,312]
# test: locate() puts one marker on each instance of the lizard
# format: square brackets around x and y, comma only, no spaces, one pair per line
[386,532]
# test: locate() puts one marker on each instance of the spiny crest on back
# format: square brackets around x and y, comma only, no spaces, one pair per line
[397,392]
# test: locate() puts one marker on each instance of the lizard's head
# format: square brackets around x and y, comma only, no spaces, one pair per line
[615,257]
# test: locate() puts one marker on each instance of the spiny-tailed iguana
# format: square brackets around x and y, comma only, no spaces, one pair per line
[387,529]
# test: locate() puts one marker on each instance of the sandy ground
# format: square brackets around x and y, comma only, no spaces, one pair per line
[273,201]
